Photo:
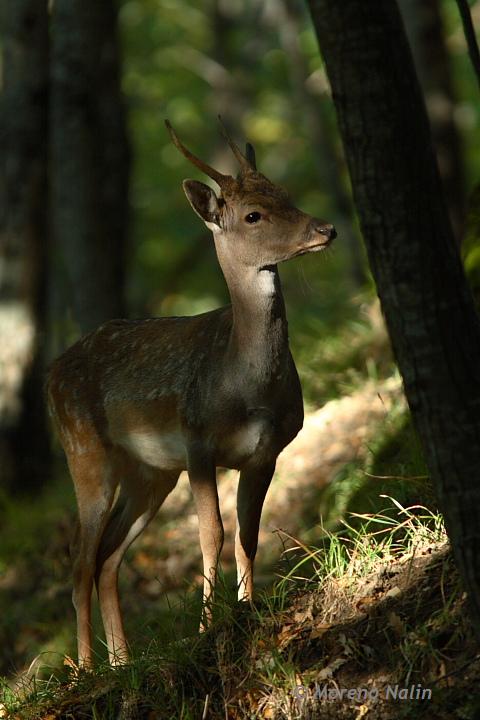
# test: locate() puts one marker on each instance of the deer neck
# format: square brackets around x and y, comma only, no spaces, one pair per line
[259,334]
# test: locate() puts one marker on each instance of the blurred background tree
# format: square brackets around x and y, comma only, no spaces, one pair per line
[89,163]
[64,206]
[85,86]
[24,444]
[255,63]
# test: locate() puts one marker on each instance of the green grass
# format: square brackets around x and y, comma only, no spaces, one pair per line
[380,532]
[247,663]
[366,541]
[336,361]
[394,466]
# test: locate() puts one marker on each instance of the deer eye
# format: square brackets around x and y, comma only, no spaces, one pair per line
[252,217]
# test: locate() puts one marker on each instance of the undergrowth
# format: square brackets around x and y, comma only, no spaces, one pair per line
[356,353]
[365,607]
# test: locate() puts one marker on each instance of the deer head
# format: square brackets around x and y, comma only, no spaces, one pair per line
[252,219]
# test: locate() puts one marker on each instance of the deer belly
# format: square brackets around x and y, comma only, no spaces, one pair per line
[162,450]
[252,438]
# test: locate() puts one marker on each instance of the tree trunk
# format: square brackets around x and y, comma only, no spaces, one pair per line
[89,158]
[321,133]
[24,446]
[428,307]
[424,26]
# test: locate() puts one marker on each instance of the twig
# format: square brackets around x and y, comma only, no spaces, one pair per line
[205,706]
[456,671]
[396,477]
[469,30]
[299,543]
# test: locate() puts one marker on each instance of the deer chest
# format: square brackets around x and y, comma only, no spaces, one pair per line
[255,436]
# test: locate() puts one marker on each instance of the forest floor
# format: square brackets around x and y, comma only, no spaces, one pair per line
[367,621]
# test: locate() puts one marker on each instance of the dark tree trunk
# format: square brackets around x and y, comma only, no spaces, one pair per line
[424,26]
[89,158]
[428,307]
[24,445]
[318,123]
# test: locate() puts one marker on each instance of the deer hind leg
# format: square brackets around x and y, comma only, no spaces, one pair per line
[202,476]
[94,488]
[141,494]
[252,488]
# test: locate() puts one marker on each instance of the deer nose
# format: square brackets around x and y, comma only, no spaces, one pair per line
[326,229]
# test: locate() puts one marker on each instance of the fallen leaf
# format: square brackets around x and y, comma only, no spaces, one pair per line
[396,623]
[365,604]
[319,630]
[393,592]
[287,634]
[362,711]
[301,616]
[328,671]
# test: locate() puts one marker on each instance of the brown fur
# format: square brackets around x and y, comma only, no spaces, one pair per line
[137,402]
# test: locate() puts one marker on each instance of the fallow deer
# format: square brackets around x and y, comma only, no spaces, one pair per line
[138,401]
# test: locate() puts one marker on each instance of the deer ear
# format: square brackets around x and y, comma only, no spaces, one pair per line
[203,200]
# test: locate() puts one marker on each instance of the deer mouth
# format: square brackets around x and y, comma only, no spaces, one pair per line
[320,236]
[316,246]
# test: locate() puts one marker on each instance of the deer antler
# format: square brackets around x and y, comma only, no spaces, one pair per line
[250,155]
[224,181]
[245,162]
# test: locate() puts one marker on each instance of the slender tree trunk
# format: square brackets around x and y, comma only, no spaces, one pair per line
[428,307]
[89,158]
[319,126]
[424,26]
[24,446]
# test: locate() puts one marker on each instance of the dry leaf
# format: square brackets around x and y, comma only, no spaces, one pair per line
[365,604]
[328,671]
[306,613]
[393,592]
[362,711]
[396,623]
[319,630]
[287,634]
[301,616]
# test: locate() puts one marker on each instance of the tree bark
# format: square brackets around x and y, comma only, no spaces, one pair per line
[428,307]
[321,133]
[89,157]
[24,445]
[424,26]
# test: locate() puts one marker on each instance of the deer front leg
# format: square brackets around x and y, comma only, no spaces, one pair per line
[252,488]
[203,481]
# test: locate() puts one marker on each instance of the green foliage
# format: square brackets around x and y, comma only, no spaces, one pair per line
[339,353]
[395,467]
[189,63]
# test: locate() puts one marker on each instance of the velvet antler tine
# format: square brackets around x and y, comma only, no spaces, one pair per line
[244,163]
[219,178]
[250,155]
